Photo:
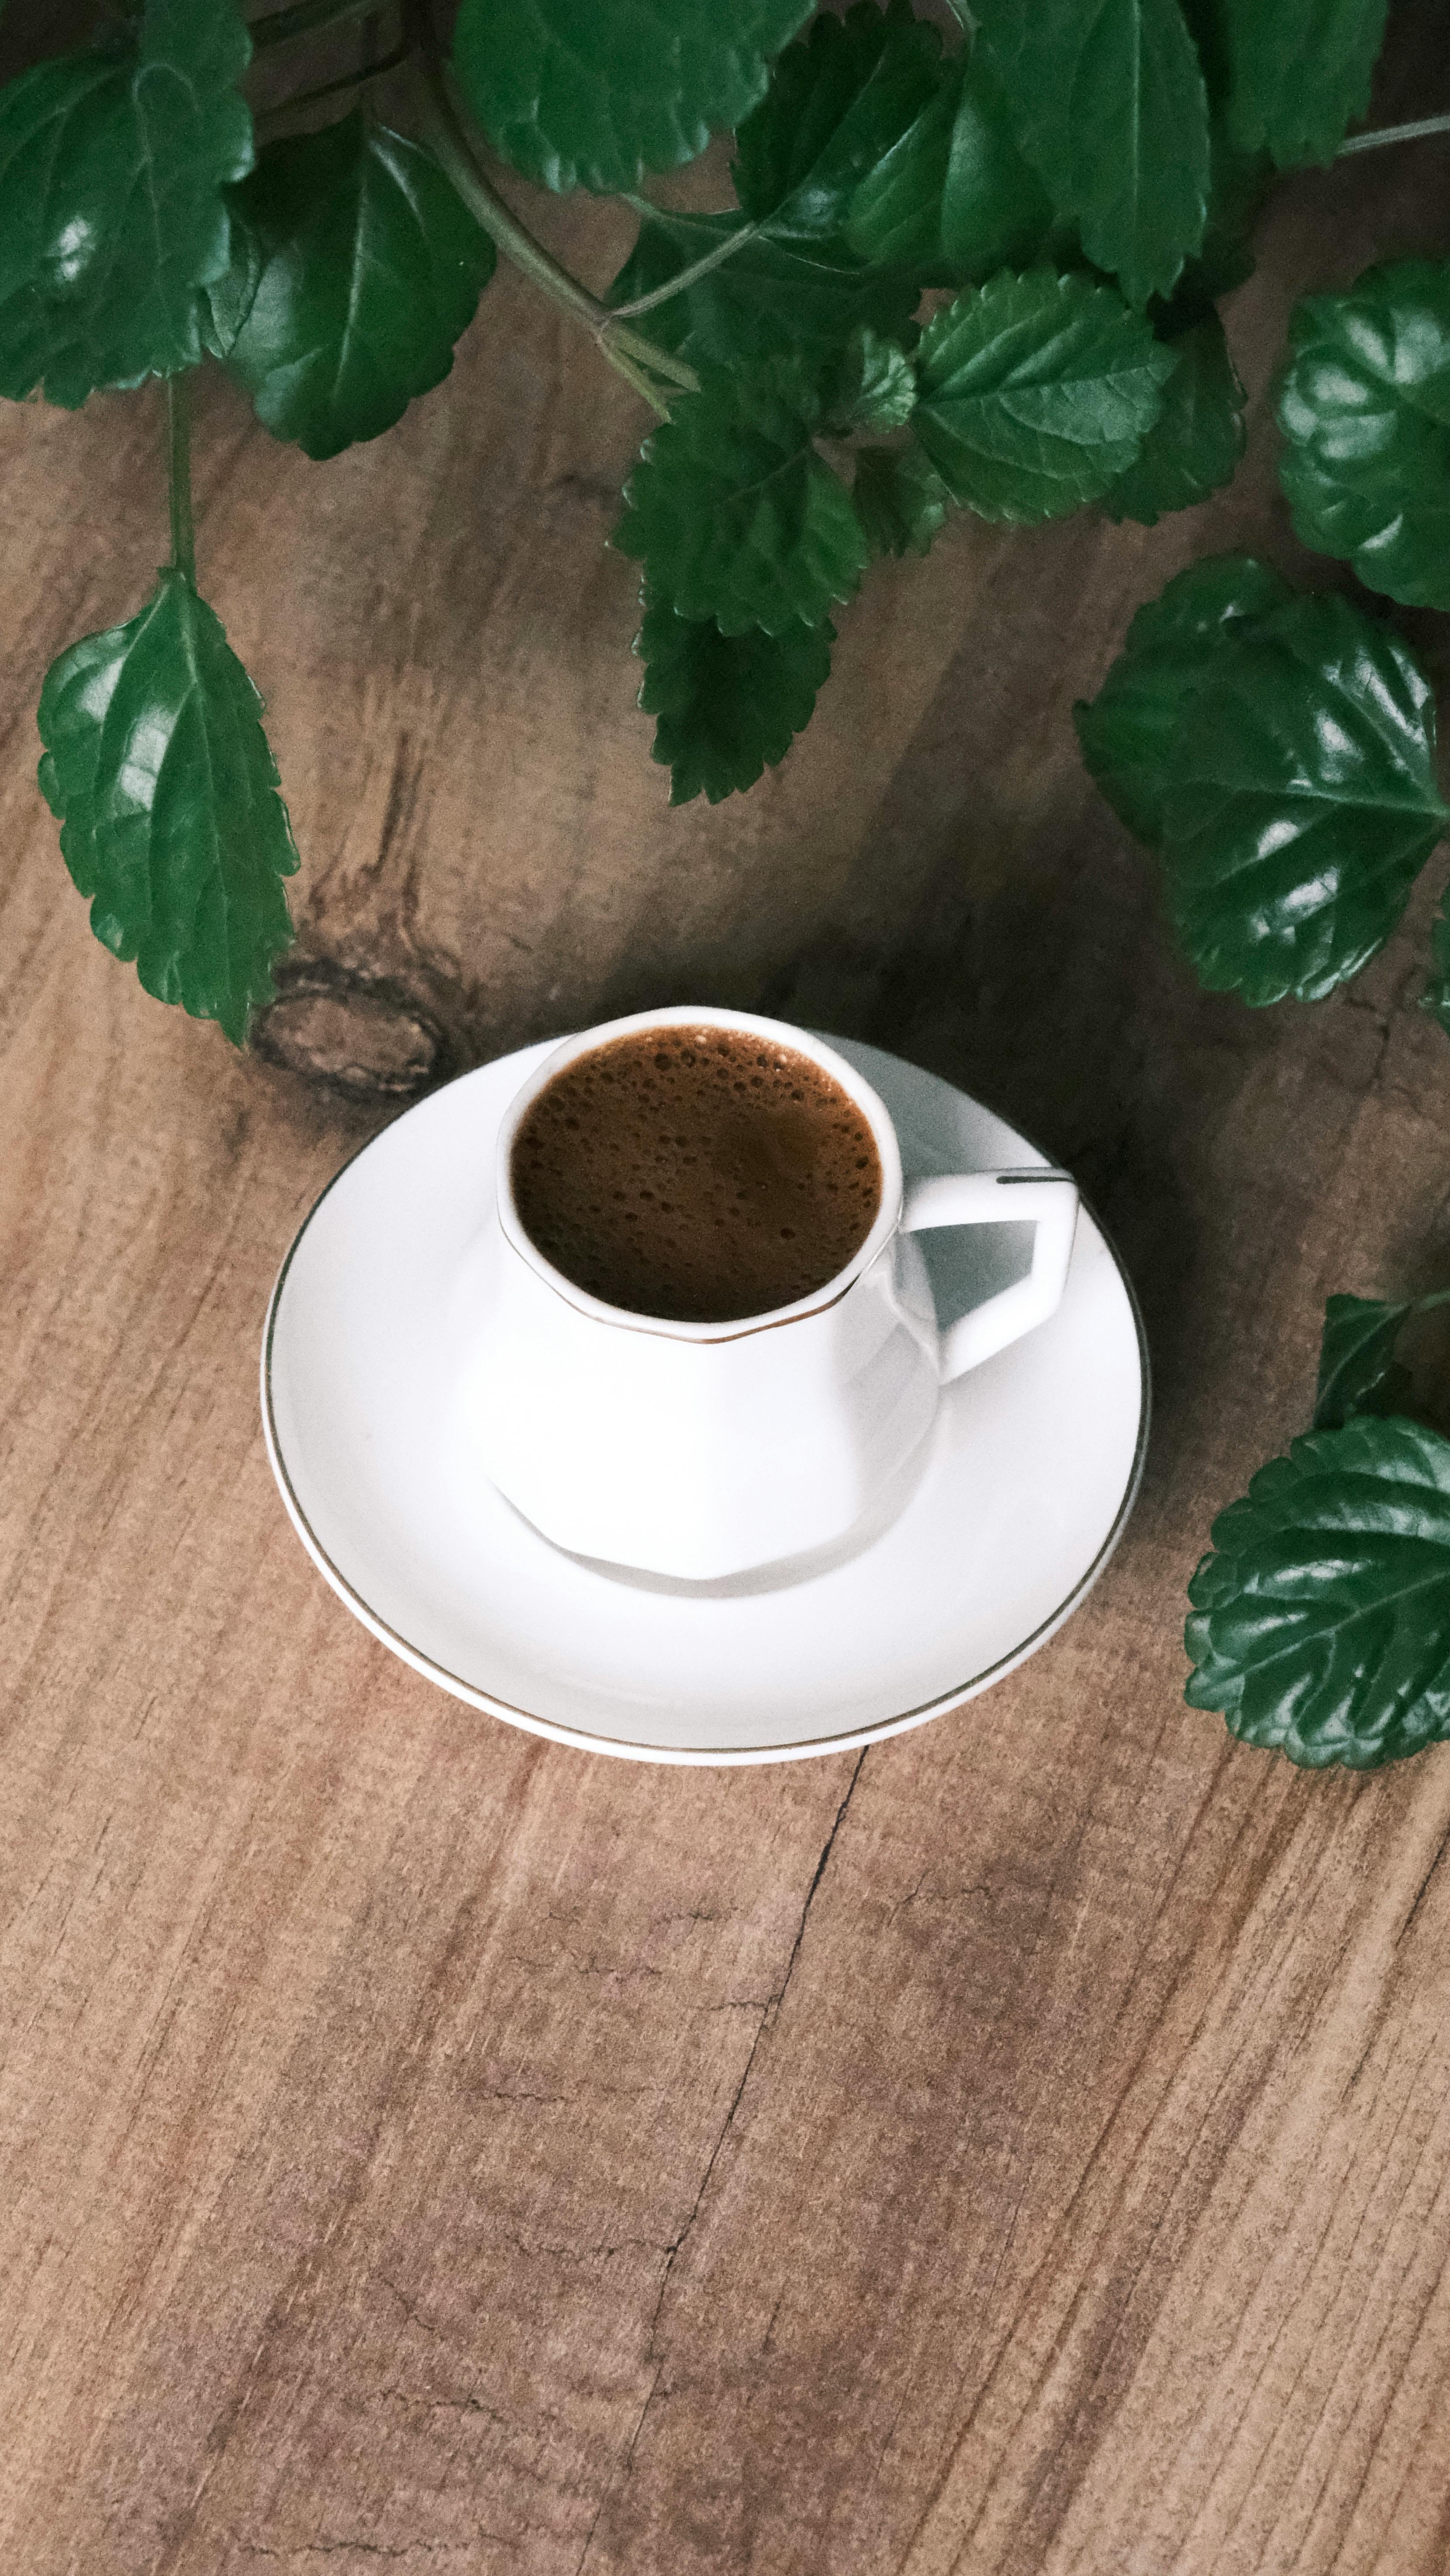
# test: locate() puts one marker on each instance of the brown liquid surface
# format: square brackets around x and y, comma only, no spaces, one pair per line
[701,1175]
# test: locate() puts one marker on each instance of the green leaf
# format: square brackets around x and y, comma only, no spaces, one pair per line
[995,213]
[1436,996]
[1320,1624]
[1197,439]
[894,216]
[112,219]
[729,706]
[1035,392]
[1299,72]
[1358,1371]
[1302,804]
[597,92]
[768,298]
[172,821]
[1366,410]
[371,268]
[900,499]
[1108,104]
[1128,731]
[223,306]
[733,514]
[870,385]
[837,102]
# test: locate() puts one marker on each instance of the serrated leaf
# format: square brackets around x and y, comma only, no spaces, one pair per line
[995,213]
[371,269]
[1365,408]
[594,93]
[1034,392]
[1302,802]
[112,219]
[1128,731]
[1358,1371]
[836,102]
[1108,104]
[733,514]
[869,385]
[172,820]
[768,298]
[1197,439]
[1320,1624]
[1298,73]
[729,706]
[900,499]
[894,216]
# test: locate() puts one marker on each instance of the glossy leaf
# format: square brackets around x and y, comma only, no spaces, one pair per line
[768,298]
[112,219]
[837,102]
[371,267]
[733,514]
[1129,730]
[729,706]
[1302,802]
[1035,392]
[1298,72]
[894,215]
[1366,411]
[1197,439]
[1320,1624]
[869,386]
[172,821]
[594,93]
[995,212]
[1108,104]
[1358,1371]
[900,499]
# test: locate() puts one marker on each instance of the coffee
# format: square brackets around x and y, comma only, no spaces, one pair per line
[697,1174]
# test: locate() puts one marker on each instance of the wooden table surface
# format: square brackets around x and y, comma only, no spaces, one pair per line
[1024,2147]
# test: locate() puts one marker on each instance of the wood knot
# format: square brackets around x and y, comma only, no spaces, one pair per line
[366,1036]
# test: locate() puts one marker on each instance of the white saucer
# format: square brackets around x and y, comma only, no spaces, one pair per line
[1006,1519]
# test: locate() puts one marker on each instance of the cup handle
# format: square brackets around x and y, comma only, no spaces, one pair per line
[1000,1198]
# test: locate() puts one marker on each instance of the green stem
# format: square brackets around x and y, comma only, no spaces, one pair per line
[305,18]
[178,464]
[1383,134]
[722,251]
[629,352]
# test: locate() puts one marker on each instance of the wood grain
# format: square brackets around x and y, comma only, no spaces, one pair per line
[1025,2147]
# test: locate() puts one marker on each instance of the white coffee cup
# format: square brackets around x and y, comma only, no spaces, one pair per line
[703,1450]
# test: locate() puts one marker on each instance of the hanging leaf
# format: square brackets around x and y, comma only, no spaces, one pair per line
[1366,411]
[869,385]
[1035,392]
[594,93]
[1358,1370]
[1302,801]
[1108,105]
[112,219]
[900,499]
[371,268]
[1298,72]
[894,215]
[1321,1621]
[767,298]
[1129,730]
[837,102]
[1197,439]
[995,213]
[733,514]
[172,821]
[729,706]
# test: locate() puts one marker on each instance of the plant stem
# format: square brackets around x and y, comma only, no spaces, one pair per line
[722,251]
[1383,134]
[178,464]
[304,18]
[632,355]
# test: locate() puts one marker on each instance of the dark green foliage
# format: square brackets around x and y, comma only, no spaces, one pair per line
[1365,409]
[729,706]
